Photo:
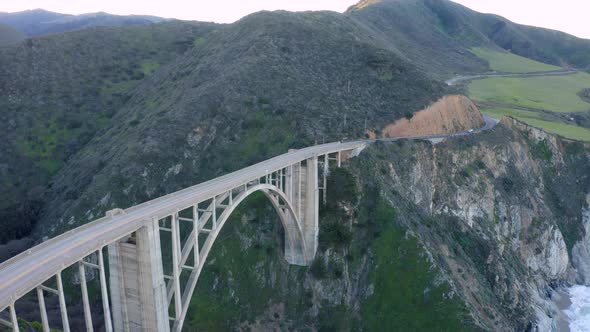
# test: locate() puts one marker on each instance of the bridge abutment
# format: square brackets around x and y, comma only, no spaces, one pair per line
[137,286]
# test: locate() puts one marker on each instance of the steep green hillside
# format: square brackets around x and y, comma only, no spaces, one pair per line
[439,45]
[543,45]
[438,35]
[56,92]
[269,82]
[9,35]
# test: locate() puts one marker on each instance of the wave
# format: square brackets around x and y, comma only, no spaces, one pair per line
[579,311]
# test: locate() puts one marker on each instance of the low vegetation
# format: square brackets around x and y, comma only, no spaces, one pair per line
[504,61]
[552,103]
[535,119]
[405,298]
[553,93]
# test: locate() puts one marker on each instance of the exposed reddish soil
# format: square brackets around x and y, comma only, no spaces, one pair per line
[450,114]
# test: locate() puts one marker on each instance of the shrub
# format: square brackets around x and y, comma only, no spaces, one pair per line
[335,233]
[341,187]
[541,150]
[318,270]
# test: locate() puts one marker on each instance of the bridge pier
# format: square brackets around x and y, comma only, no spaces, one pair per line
[137,286]
[302,190]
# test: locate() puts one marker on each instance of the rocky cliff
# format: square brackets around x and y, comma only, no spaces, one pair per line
[581,250]
[514,202]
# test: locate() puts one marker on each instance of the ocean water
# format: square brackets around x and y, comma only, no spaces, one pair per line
[579,312]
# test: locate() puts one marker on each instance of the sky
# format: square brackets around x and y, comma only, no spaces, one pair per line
[566,15]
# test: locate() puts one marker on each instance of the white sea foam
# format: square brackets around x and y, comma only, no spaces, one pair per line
[579,311]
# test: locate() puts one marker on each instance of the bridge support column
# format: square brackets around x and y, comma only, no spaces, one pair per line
[303,192]
[138,290]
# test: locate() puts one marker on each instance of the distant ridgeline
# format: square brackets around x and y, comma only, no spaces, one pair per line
[41,22]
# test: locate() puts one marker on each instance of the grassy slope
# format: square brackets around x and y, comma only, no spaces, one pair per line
[559,94]
[554,93]
[534,118]
[510,63]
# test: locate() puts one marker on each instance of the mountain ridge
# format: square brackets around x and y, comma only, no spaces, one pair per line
[37,22]
[438,35]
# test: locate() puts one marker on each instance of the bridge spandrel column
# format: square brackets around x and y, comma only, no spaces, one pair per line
[310,208]
[294,253]
[138,291]
[303,192]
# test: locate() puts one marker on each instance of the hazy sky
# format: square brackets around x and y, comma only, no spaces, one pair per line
[566,15]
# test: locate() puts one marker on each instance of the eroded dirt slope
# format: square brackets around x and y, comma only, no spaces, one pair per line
[450,114]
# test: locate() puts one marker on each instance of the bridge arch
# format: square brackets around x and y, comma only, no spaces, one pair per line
[295,246]
[294,240]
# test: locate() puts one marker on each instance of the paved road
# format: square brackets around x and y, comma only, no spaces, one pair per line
[24,272]
[456,79]
[489,123]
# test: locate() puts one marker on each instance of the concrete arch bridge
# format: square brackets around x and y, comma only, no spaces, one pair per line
[145,292]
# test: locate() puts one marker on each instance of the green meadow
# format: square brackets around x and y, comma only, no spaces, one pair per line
[534,119]
[553,93]
[510,63]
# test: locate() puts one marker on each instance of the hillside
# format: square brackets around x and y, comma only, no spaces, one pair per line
[9,35]
[39,22]
[447,40]
[248,91]
[438,35]
[57,91]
